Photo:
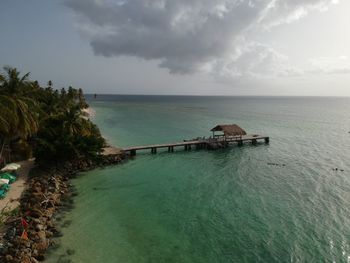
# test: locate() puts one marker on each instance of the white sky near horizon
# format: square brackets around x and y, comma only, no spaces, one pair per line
[56,40]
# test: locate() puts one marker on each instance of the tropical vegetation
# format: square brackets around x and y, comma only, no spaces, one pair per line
[44,122]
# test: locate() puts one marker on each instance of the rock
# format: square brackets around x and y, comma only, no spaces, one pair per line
[39,227]
[40,247]
[49,234]
[46,192]
[49,212]
[9,258]
[42,235]
[57,233]
[40,257]
[50,224]
[26,259]
[36,213]
[27,243]
[36,220]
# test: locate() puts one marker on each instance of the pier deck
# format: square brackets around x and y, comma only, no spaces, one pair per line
[208,143]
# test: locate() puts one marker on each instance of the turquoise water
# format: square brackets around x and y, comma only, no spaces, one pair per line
[227,205]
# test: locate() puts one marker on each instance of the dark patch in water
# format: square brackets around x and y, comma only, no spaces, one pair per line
[55,244]
[68,207]
[64,259]
[118,186]
[276,164]
[70,251]
[129,185]
[67,223]
[337,169]
[100,188]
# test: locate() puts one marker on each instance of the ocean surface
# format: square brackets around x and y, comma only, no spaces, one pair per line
[229,205]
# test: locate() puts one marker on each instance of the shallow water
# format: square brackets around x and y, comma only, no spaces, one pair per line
[228,205]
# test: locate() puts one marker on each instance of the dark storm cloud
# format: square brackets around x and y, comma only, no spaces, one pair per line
[188,35]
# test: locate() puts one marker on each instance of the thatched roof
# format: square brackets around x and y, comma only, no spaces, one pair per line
[229,129]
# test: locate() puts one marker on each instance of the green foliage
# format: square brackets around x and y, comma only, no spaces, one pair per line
[66,139]
[19,114]
[50,120]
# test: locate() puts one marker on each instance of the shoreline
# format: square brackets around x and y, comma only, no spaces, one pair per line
[39,199]
[109,149]
[11,200]
[90,112]
[48,193]
[59,132]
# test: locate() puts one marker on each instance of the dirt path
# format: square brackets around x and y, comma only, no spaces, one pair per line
[11,201]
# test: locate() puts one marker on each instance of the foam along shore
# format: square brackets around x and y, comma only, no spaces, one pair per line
[11,200]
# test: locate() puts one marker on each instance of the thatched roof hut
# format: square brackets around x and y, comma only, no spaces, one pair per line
[229,130]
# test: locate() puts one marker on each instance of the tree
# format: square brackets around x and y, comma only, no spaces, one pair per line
[48,120]
[18,113]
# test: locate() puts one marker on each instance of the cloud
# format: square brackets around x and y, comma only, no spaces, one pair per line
[188,36]
[252,60]
[329,65]
[279,12]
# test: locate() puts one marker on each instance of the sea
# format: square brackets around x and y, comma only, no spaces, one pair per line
[288,201]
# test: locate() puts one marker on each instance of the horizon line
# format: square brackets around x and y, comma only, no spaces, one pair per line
[190,95]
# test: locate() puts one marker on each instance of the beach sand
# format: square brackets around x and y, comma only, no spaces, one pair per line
[110,150]
[90,111]
[11,201]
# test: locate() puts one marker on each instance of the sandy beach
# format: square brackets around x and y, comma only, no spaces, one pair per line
[11,201]
[110,150]
[90,111]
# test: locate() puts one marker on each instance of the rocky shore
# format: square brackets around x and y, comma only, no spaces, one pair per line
[49,190]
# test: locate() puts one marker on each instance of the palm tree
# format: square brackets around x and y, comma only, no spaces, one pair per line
[12,83]
[18,113]
[74,123]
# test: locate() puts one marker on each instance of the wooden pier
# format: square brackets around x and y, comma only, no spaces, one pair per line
[209,143]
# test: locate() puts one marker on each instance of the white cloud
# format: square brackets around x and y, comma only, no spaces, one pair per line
[188,36]
[252,60]
[329,65]
[279,12]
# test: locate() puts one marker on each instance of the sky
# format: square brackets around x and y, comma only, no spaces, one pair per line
[181,47]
